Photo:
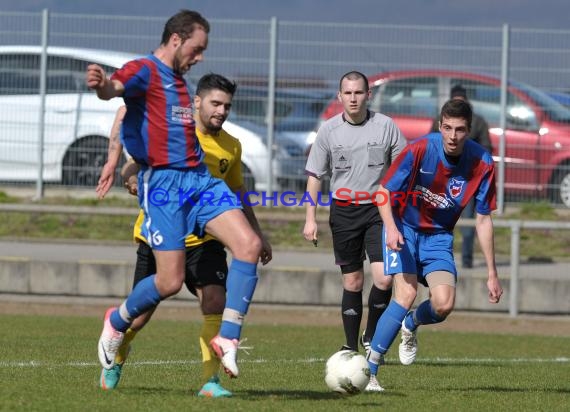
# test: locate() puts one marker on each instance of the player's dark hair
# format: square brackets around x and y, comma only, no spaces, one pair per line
[354,75]
[213,81]
[184,23]
[459,109]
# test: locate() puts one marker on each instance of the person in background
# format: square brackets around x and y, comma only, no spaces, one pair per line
[355,148]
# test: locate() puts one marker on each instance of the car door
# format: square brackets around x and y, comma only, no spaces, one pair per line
[521,137]
[412,103]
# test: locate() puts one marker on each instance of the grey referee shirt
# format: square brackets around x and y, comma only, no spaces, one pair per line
[355,156]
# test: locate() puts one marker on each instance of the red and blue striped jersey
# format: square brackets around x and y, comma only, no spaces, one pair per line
[158,128]
[429,193]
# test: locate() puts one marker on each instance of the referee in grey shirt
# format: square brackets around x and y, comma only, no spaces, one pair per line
[355,148]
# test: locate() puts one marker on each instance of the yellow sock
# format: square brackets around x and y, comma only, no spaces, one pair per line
[210,362]
[123,351]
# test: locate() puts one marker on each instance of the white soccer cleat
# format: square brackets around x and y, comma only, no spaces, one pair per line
[409,346]
[226,350]
[109,342]
[373,385]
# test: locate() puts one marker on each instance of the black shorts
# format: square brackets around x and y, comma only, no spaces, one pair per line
[205,265]
[356,230]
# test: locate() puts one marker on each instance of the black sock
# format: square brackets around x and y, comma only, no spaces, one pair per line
[377,303]
[351,317]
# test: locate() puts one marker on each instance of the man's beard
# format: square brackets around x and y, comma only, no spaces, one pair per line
[213,129]
[176,67]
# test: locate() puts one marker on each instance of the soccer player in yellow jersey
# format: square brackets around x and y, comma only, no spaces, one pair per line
[206,267]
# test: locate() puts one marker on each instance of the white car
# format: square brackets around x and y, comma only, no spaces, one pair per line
[77,123]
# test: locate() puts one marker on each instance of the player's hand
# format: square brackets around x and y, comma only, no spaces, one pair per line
[495,289]
[106,180]
[394,239]
[96,77]
[266,251]
[132,185]
[310,232]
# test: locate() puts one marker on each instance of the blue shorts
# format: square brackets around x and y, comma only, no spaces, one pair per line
[178,202]
[421,254]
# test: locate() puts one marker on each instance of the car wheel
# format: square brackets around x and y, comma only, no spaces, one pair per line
[248,179]
[83,162]
[560,192]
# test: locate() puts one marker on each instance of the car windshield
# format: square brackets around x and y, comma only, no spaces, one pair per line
[553,109]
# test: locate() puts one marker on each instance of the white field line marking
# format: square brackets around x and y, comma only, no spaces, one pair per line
[425,361]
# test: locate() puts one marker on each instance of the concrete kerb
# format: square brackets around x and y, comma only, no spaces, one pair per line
[277,285]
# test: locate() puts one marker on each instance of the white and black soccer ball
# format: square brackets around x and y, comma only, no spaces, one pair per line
[347,372]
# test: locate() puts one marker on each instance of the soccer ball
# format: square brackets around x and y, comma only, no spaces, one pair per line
[347,372]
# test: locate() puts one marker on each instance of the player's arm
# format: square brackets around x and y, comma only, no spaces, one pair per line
[394,238]
[105,88]
[310,230]
[266,250]
[114,153]
[485,234]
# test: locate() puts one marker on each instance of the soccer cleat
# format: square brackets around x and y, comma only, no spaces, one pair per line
[409,346]
[226,350]
[109,342]
[365,342]
[110,377]
[213,389]
[346,347]
[373,385]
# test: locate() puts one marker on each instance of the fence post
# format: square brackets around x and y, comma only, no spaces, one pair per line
[515,260]
[503,120]
[41,120]
[271,103]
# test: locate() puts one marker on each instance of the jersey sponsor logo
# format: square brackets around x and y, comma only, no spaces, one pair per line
[439,201]
[182,115]
[455,187]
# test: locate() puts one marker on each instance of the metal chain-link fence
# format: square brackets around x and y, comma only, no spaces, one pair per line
[412,69]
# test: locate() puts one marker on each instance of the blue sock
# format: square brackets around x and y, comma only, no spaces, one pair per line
[387,329]
[242,279]
[143,297]
[424,315]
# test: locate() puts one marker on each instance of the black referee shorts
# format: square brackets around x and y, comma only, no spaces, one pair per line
[356,231]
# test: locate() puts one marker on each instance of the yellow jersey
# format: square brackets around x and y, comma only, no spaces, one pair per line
[222,156]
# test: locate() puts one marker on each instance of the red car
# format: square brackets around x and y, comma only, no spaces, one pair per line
[537,160]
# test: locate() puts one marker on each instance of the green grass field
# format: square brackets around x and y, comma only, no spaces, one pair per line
[49,363]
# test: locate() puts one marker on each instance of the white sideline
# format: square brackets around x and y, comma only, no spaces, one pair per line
[425,361]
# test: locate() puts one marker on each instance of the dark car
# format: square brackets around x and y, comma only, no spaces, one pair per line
[297,113]
[537,137]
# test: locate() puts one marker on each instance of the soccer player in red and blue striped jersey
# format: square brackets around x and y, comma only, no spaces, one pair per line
[429,184]
[159,133]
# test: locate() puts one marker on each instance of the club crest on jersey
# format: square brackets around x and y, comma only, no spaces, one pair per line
[455,187]
[224,163]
